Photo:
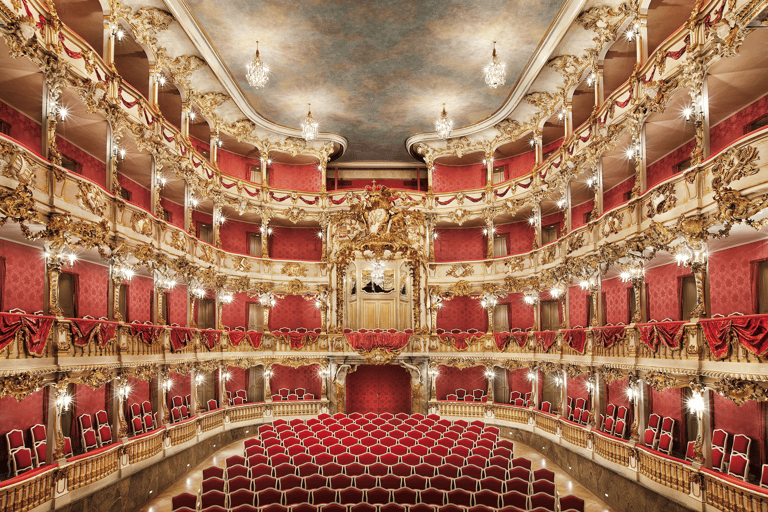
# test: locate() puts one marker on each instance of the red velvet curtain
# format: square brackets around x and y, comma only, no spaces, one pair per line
[2,282]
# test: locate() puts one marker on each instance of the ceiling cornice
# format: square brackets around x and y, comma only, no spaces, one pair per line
[187,20]
[560,25]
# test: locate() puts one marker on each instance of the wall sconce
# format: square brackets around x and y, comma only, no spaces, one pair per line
[193,202]
[225,297]
[532,375]
[633,151]
[633,393]
[434,372]
[116,31]
[225,375]
[160,78]
[489,374]
[485,231]
[62,258]
[489,302]
[694,112]
[167,384]
[63,400]
[268,374]
[531,297]
[686,255]
[634,270]
[199,379]
[123,391]
[161,179]
[324,372]
[696,404]
[122,271]
[199,292]
[267,231]
[633,32]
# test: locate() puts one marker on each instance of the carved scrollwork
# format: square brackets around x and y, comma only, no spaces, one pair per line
[294,269]
[661,200]
[460,270]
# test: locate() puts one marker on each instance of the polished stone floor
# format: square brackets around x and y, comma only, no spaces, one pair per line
[191,483]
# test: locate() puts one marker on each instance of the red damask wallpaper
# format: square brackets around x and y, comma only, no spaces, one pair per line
[552,146]
[293,312]
[615,196]
[180,386]
[519,235]
[520,314]
[450,379]
[578,304]
[462,313]
[307,377]
[558,219]
[234,314]
[23,129]
[579,211]
[666,166]
[347,184]
[295,244]
[732,128]
[178,305]
[518,165]
[91,167]
[730,273]
[139,195]
[238,379]
[86,401]
[616,298]
[747,419]
[577,388]
[24,277]
[465,244]
[234,235]
[176,210]
[664,291]
[235,165]
[517,380]
[306,178]
[454,178]
[20,415]
[139,297]
[671,403]
[379,388]
[140,392]
[93,281]
[616,393]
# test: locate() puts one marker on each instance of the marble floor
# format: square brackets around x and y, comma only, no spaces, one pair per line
[192,481]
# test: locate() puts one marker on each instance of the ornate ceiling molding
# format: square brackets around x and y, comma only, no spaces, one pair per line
[184,16]
[560,26]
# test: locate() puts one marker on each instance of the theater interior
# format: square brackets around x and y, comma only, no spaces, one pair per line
[383,257]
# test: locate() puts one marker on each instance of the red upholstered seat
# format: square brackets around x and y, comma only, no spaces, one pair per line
[520,472]
[268,497]
[213,498]
[492,484]
[416,482]
[362,507]
[242,497]
[22,460]
[323,458]
[295,496]
[405,496]
[184,500]
[391,482]
[425,470]
[466,483]
[448,470]
[513,499]
[364,482]
[261,470]
[738,466]
[238,483]
[354,469]
[378,469]
[460,497]
[307,469]
[392,507]
[377,495]
[288,482]
[541,500]
[440,482]
[340,481]
[571,504]
[330,469]
[350,496]
[496,472]
[236,471]
[518,484]
[285,469]
[402,469]
[323,496]
[543,486]
[389,459]
[433,497]
[472,471]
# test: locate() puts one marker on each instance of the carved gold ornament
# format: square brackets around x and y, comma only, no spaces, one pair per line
[294,269]
[460,270]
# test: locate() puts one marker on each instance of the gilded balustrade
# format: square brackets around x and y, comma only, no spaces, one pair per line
[180,433]
[29,493]
[512,413]
[574,434]
[612,450]
[546,422]
[731,497]
[460,409]
[145,446]
[246,412]
[301,408]
[88,469]
[663,470]
[210,420]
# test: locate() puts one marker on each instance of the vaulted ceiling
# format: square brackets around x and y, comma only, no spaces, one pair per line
[375,71]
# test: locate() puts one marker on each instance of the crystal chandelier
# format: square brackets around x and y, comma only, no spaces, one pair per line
[443,125]
[377,273]
[309,126]
[495,71]
[256,70]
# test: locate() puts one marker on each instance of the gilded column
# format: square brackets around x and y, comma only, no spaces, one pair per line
[325,221]
[267,382]
[218,221]
[265,231]
[51,108]
[699,271]
[53,270]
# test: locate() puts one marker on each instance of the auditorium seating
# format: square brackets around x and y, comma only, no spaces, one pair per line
[285,394]
[476,395]
[405,463]
[518,399]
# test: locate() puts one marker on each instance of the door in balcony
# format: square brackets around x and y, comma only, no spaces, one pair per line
[379,389]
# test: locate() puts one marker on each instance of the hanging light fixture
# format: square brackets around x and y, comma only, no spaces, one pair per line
[309,126]
[495,71]
[377,273]
[256,71]
[443,125]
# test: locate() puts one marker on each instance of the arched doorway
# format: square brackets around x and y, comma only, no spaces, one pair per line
[379,389]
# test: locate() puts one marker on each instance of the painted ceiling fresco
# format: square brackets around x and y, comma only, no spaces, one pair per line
[376,71]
